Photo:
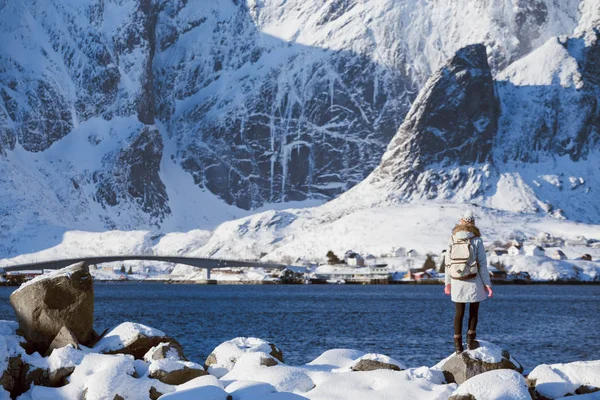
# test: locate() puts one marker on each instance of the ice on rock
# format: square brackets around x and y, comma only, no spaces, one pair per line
[557,380]
[502,384]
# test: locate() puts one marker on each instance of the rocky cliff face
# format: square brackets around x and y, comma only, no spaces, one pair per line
[452,122]
[528,141]
[252,102]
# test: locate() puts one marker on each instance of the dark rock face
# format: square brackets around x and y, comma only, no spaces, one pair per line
[10,376]
[44,307]
[64,338]
[453,121]
[135,176]
[372,365]
[461,367]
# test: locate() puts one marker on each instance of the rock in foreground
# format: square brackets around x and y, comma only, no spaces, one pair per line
[488,357]
[561,380]
[224,356]
[502,384]
[46,304]
[131,338]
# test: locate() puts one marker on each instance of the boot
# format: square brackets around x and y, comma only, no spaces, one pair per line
[458,345]
[472,344]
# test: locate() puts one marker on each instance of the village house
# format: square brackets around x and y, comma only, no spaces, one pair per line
[419,276]
[370,259]
[576,241]
[497,252]
[515,250]
[558,255]
[533,250]
[412,253]
[410,274]
[356,260]
[293,275]
[399,252]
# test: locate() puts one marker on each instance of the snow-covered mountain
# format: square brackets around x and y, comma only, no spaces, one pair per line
[174,115]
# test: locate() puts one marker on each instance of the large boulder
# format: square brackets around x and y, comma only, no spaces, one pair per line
[488,357]
[46,304]
[132,338]
[505,384]
[561,380]
[224,356]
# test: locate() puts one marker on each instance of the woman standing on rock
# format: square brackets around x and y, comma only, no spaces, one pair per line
[467,277]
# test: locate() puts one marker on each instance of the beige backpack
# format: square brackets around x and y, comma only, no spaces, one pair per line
[460,253]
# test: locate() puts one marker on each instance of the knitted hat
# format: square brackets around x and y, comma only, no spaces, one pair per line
[467,218]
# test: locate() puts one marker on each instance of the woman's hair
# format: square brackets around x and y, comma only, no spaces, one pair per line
[468,228]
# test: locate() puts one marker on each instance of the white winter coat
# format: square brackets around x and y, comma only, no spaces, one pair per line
[469,290]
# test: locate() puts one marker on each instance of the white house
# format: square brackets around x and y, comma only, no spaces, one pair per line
[576,241]
[515,251]
[533,250]
[356,260]
[370,259]
[399,252]
[559,255]
[412,253]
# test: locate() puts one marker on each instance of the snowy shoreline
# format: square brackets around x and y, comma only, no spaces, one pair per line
[253,369]
[53,352]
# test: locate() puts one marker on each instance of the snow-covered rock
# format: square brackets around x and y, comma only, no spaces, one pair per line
[558,380]
[283,377]
[487,357]
[503,384]
[372,362]
[130,338]
[171,350]
[50,302]
[175,372]
[223,358]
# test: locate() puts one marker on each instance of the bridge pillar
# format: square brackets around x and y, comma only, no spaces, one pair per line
[207,274]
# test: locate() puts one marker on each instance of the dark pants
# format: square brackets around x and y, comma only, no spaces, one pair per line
[460,314]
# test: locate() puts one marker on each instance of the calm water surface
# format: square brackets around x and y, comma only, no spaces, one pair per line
[537,324]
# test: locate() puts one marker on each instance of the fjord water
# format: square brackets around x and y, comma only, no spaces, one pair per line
[411,323]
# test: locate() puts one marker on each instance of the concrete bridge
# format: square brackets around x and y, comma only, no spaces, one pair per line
[205,263]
